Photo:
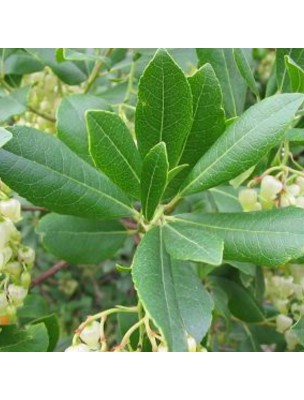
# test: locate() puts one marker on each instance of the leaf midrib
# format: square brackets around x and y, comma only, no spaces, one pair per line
[230,148]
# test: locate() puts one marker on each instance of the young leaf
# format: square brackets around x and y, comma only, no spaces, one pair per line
[164,107]
[297,56]
[241,302]
[72,73]
[80,240]
[170,292]
[34,338]
[296,75]
[175,171]
[14,103]
[47,173]
[208,121]
[71,125]
[259,128]
[188,243]
[268,238]
[242,62]
[5,136]
[153,179]
[226,199]
[233,86]
[113,150]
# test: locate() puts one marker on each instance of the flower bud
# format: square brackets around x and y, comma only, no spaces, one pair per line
[4,235]
[11,312]
[13,268]
[25,279]
[162,348]
[300,201]
[191,344]
[11,209]
[270,187]
[283,323]
[91,334]
[287,200]
[293,189]
[78,348]
[300,182]
[16,294]
[26,255]
[248,199]
[291,340]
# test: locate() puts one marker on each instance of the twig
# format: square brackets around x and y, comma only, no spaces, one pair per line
[41,114]
[26,208]
[50,272]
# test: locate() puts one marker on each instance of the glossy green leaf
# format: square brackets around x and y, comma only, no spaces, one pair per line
[295,135]
[243,64]
[233,86]
[226,199]
[18,62]
[71,124]
[34,338]
[72,73]
[114,151]
[164,107]
[241,302]
[282,78]
[189,243]
[5,136]
[296,75]
[194,301]
[52,325]
[153,179]
[47,173]
[170,292]
[268,238]
[208,120]
[78,55]
[80,240]
[259,128]
[14,103]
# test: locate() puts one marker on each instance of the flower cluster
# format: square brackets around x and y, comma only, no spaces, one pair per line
[16,260]
[273,193]
[286,293]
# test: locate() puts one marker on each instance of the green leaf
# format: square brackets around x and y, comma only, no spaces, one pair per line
[34,338]
[18,62]
[170,292]
[208,120]
[296,75]
[194,301]
[79,240]
[241,302]
[72,73]
[5,136]
[78,55]
[226,199]
[188,243]
[47,173]
[14,103]
[282,78]
[243,64]
[114,151]
[35,306]
[295,135]
[233,86]
[268,238]
[164,107]
[298,329]
[259,128]
[175,171]
[71,124]
[153,179]
[52,325]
